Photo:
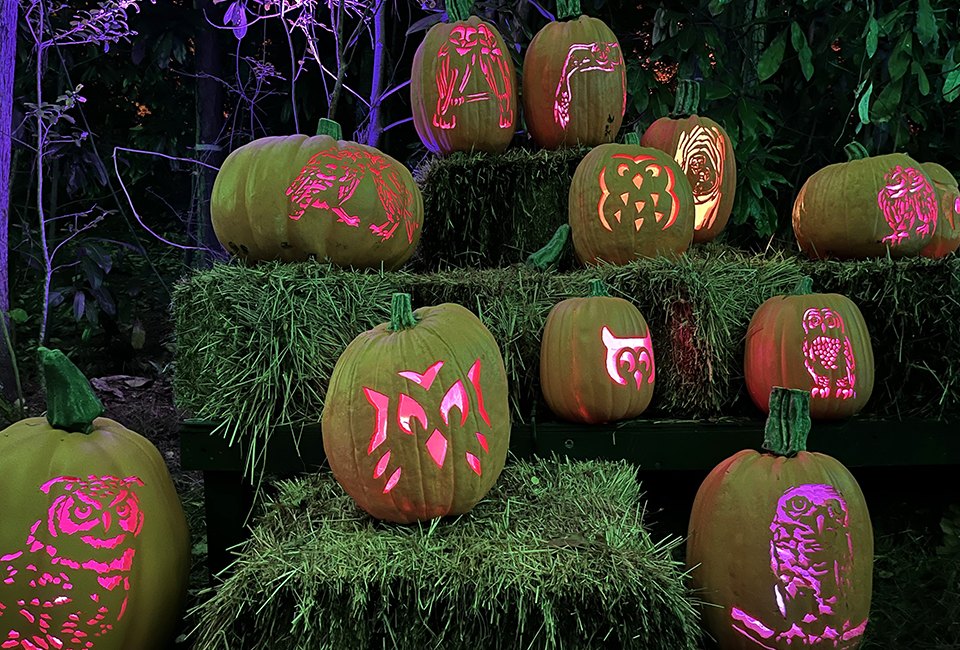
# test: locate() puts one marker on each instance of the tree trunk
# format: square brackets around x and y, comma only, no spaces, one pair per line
[8,61]
[209,131]
[375,123]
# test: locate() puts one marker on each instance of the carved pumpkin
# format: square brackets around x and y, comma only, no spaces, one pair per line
[574,81]
[947,237]
[816,342]
[866,207]
[782,542]
[596,359]
[416,423]
[463,85]
[293,197]
[704,151]
[94,548]
[627,202]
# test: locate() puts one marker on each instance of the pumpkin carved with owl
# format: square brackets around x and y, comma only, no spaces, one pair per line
[94,549]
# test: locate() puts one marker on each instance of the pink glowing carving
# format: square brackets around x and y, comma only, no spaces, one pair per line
[331,178]
[828,355]
[700,152]
[909,204]
[409,410]
[582,58]
[104,513]
[468,49]
[956,208]
[646,171]
[811,556]
[635,355]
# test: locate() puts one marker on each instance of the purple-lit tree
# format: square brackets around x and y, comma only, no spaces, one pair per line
[8,55]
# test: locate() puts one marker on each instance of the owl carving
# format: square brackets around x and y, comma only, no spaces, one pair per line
[909,204]
[80,594]
[828,355]
[632,355]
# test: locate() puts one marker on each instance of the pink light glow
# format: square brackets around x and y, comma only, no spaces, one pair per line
[331,177]
[582,58]
[426,379]
[437,447]
[909,204]
[382,465]
[833,373]
[380,402]
[474,376]
[84,509]
[811,557]
[700,152]
[474,463]
[468,49]
[409,410]
[649,173]
[392,481]
[636,354]
[455,397]
[956,205]
[482,439]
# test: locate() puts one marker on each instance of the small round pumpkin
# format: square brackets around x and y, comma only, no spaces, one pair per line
[293,197]
[782,543]
[866,207]
[94,547]
[704,150]
[463,85]
[947,237]
[816,342]
[574,81]
[628,202]
[596,359]
[416,422]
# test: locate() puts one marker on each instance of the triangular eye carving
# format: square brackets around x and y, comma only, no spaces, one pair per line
[455,397]
[426,379]
[409,410]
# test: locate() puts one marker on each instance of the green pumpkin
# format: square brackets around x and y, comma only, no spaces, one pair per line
[94,546]
[416,420]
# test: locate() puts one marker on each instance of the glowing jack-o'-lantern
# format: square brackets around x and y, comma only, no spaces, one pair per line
[416,422]
[596,358]
[295,197]
[817,342]
[463,85]
[94,548]
[782,542]
[866,207]
[627,202]
[574,81]
[704,151]
[946,239]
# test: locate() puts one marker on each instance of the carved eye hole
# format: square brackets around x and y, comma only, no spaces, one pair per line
[123,510]
[813,319]
[798,505]
[82,512]
[835,511]
[830,320]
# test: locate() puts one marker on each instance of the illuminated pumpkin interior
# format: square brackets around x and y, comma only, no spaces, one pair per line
[636,182]
[700,153]
[633,356]
[828,355]
[909,204]
[583,58]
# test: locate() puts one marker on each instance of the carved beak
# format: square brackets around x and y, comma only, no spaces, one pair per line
[106,521]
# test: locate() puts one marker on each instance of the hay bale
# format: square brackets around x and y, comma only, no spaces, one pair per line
[557,556]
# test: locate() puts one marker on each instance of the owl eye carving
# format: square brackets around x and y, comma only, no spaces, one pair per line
[635,354]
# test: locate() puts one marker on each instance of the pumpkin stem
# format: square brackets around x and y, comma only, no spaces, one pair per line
[687,101]
[804,287]
[856,151]
[401,313]
[458,10]
[598,289]
[788,424]
[329,127]
[548,256]
[71,403]
[568,9]
[631,138]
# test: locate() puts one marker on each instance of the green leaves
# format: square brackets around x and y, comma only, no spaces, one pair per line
[772,57]
[926,27]
[901,57]
[802,48]
[951,78]
[872,36]
[863,108]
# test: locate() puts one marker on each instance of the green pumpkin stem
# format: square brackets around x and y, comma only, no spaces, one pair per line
[71,403]
[631,138]
[329,127]
[856,151]
[458,10]
[804,287]
[788,424]
[568,9]
[401,313]
[598,289]
[687,101]
[548,256]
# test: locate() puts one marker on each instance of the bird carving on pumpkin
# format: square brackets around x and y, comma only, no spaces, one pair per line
[828,354]
[77,598]
[909,204]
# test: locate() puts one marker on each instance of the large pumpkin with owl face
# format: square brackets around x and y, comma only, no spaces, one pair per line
[628,202]
[294,197]
[94,547]
[416,422]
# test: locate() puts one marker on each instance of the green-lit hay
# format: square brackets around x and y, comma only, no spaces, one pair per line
[490,210]
[557,556]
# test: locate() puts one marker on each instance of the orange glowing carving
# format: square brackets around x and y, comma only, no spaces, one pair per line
[581,58]
[828,355]
[633,355]
[469,49]
[909,204]
[645,173]
[330,179]
[700,155]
